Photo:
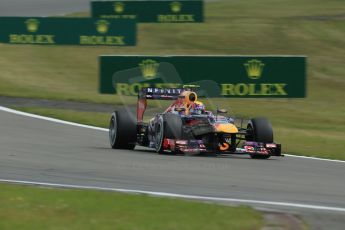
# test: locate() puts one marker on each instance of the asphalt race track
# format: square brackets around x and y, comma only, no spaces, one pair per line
[43,151]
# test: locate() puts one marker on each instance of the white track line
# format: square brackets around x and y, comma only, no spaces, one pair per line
[314,158]
[106,130]
[174,195]
[50,119]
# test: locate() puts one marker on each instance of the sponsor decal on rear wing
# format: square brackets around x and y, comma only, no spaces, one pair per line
[155,93]
[161,93]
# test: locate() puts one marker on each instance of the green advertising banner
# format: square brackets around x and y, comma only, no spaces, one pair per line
[67,31]
[161,11]
[228,76]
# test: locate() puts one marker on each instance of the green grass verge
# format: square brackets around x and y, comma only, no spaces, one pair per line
[87,118]
[313,126]
[23,207]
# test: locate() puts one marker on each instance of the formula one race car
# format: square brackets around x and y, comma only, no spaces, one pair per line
[187,127]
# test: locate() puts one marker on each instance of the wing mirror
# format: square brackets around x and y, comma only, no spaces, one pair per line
[222,111]
[180,109]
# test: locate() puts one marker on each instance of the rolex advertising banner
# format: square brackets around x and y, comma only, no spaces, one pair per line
[161,11]
[67,31]
[217,76]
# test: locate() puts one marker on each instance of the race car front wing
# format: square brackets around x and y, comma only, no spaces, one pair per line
[198,146]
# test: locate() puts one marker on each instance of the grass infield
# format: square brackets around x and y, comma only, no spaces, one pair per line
[25,207]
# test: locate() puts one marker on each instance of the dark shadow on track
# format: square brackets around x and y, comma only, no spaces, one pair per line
[169,154]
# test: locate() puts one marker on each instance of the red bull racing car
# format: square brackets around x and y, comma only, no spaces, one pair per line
[187,127]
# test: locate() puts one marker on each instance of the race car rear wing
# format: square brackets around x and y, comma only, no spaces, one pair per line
[161,93]
[153,93]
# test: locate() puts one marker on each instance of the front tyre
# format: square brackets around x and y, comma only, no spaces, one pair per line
[259,130]
[122,130]
[173,126]
[159,135]
[168,126]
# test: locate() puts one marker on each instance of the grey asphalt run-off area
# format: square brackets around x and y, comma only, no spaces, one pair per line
[38,150]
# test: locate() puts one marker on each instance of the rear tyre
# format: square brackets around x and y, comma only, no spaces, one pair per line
[122,130]
[259,130]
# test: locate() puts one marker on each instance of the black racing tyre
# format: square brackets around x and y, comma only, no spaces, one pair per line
[122,130]
[159,135]
[259,130]
[169,126]
[173,126]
